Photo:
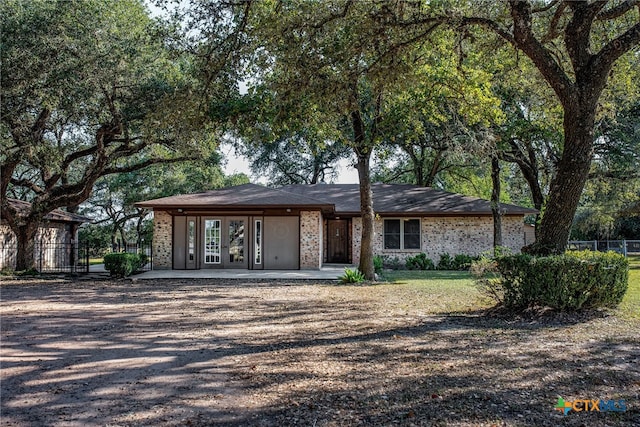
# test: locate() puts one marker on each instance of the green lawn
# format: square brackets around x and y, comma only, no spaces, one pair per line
[630,306]
[454,291]
[440,291]
[94,261]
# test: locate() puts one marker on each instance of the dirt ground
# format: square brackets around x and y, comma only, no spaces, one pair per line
[198,353]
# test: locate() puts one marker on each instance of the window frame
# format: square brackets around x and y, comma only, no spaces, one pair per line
[402,221]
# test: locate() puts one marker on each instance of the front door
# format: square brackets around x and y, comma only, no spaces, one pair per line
[338,241]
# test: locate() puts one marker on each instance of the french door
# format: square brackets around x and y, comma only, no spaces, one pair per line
[225,242]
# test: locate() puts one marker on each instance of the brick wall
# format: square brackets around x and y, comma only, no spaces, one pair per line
[162,240]
[310,240]
[452,235]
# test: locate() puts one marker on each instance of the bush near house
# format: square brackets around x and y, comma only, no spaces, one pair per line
[419,262]
[378,264]
[123,264]
[457,262]
[571,281]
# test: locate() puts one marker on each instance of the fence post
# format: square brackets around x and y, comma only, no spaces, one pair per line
[624,247]
[72,256]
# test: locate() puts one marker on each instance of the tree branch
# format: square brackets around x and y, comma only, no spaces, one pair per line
[604,60]
[525,40]
[578,33]
[618,11]
[491,25]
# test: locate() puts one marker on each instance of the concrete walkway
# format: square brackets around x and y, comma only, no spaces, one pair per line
[326,273]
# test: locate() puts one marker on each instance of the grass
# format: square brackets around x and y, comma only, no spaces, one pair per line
[436,291]
[454,291]
[94,261]
[630,306]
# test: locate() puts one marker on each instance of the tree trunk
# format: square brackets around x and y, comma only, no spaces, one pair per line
[363,152]
[569,181]
[26,235]
[366,210]
[495,203]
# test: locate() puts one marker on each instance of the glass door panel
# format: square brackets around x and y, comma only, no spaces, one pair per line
[236,255]
[212,240]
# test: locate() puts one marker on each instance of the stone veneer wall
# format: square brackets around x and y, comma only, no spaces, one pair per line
[162,240]
[310,240]
[452,235]
[54,233]
[356,238]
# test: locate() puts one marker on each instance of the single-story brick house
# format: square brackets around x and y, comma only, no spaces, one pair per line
[305,226]
[54,250]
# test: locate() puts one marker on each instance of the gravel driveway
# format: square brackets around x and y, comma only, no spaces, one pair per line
[196,353]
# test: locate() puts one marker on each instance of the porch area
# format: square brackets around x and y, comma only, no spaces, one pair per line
[325,273]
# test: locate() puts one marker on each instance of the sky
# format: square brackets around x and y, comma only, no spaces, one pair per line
[239,164]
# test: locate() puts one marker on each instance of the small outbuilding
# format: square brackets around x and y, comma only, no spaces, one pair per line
[56,241]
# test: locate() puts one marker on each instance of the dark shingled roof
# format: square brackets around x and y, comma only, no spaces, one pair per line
[403,199]
[57,215]
[388,199]
[240,196]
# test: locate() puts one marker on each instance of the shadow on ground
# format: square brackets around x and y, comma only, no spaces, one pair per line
[207,353]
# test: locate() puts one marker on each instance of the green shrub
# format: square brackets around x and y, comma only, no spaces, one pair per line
[377,264]
[419,262]
[485,276]
[462,262]
[446,262]
[351,276]
[458,262]
[572,281]
[123,264]
[392,263]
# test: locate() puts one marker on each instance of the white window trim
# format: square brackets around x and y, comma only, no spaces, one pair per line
[402,221]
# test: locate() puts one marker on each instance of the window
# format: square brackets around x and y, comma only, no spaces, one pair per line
[192,240]
[257,244]
[401,233]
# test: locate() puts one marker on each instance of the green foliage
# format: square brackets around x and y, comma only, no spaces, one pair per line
[378,264]
[123,264]
[571,281]
[463,261]
[446,262]
[97,237]
[393,263]
[419,262]
[7,271]
[457,262]
[351,276]
[484,271]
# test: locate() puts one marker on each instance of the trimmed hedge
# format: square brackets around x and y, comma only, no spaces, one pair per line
[122,264]
[571,281]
